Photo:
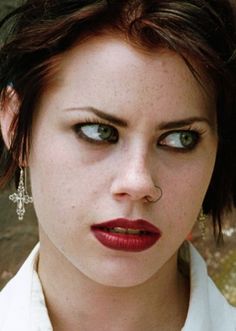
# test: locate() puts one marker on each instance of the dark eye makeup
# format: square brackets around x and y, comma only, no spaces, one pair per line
[98,132]
[181,140]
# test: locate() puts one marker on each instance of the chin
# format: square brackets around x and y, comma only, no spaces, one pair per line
[121,282]
[120,274]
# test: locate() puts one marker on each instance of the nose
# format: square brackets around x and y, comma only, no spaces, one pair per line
[134,181]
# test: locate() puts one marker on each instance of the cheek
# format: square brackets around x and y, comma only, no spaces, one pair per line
[63,186]
[185,187]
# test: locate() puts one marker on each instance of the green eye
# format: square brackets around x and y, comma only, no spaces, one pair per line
[105,132]
[181,139]
[98,132]
[188,139]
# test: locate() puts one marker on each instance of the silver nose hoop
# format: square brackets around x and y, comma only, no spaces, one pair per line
[149,199]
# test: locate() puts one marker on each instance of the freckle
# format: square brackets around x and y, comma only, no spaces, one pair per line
[73,207]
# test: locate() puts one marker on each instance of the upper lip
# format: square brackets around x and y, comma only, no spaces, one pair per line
[138,224]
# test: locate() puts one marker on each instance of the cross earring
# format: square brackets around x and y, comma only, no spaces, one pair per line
[21,197]
[202,223]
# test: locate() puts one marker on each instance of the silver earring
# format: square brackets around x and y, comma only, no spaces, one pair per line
[149,199]
[21,197]
[202,223]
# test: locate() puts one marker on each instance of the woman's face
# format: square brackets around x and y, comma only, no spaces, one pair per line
[160,129]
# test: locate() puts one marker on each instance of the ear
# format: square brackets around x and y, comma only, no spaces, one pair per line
[9,109]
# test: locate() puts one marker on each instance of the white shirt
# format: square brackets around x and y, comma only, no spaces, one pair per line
[23,308]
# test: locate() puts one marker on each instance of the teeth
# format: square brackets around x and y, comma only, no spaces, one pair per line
[125,231]
[118,230]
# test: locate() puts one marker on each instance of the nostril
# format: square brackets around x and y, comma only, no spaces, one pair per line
[122,196]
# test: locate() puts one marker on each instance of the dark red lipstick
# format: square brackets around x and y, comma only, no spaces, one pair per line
[126,235]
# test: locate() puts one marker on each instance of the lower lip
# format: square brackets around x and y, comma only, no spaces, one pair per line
[125,242]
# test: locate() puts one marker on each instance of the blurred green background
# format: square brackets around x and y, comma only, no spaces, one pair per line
[8,5]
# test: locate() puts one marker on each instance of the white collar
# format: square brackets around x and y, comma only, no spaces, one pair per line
[208,309]
[23,307]
[39,314]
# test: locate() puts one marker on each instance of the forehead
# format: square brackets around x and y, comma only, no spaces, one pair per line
[109,70]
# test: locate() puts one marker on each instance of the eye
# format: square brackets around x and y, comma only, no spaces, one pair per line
[97,132]
[186,139]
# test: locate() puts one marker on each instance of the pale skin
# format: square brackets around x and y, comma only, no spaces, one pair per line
[76,183]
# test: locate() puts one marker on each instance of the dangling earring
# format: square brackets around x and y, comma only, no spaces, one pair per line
[21,197]
[202,223]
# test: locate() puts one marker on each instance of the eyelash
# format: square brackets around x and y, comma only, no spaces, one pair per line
[87,122]
[198,132]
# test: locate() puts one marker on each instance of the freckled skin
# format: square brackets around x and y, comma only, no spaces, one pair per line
[76,184]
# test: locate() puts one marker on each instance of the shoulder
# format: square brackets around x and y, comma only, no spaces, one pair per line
[15,297]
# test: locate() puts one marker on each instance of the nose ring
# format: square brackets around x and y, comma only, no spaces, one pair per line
[149,199]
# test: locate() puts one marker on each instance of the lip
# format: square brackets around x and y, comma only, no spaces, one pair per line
[129,242]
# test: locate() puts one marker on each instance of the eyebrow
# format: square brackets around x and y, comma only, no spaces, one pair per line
[110,118]
[162,126]
[183,122]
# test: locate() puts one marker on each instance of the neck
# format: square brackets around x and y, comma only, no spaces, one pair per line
[76,302]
